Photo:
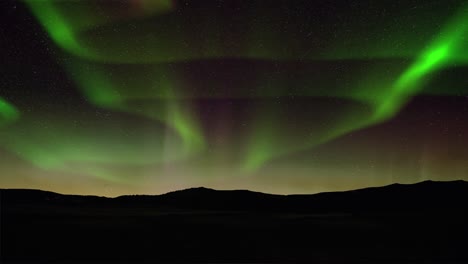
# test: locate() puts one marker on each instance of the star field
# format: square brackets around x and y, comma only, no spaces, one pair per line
[114,97]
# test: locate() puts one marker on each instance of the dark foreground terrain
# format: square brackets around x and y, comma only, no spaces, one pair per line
[424,222]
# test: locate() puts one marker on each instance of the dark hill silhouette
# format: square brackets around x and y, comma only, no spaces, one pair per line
[31,196]
[427,195]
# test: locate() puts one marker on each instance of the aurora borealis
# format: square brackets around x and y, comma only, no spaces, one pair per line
[149,96]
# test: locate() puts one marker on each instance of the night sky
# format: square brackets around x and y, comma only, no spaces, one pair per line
[149,96]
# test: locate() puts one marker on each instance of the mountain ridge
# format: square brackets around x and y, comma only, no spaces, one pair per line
[426,195]
[202,188]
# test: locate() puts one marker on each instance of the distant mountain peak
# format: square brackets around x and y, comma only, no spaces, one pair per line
[200,189]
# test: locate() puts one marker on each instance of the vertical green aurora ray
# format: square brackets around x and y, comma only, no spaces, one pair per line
[267,143]
[446,47]
[159,102]
[8,113]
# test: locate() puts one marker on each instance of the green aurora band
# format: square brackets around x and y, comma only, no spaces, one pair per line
[156,92]
[65,20]
[163,35]
[385,103]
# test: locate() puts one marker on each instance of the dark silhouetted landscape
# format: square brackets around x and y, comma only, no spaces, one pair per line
[422,222]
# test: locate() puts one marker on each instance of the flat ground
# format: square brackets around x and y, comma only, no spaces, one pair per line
[117,234]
